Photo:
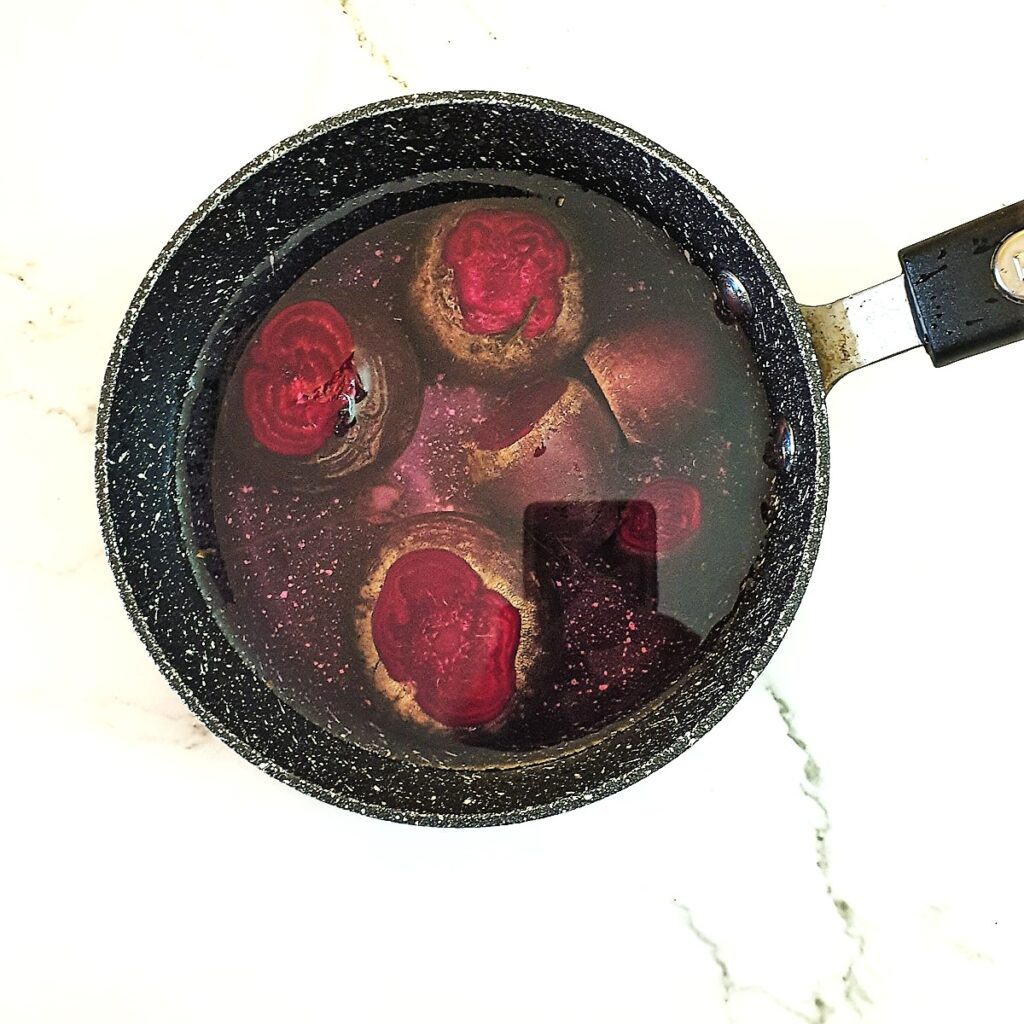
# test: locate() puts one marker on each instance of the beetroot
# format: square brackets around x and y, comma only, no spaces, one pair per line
[550,440]
[663,517]
[518,414]
[443,623]
[508,267]
[498,293]
[438,628]
[300,382]
[656,378]
[311,404]
[431,474]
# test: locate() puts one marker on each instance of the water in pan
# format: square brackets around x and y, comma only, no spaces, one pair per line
[485,477]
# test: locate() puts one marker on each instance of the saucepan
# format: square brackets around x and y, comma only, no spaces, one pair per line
[961,292]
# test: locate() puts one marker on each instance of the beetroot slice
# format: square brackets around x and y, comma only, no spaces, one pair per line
[300,378]
[663,517]
[311,326]
[518,413]
[279,418]
[437,628]
[507,270]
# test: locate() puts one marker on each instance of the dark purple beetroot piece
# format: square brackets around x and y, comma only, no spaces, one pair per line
[549,440]
[518,413]
[431,474]
[656,378]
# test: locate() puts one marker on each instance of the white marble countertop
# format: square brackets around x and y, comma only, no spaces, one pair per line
[845,846]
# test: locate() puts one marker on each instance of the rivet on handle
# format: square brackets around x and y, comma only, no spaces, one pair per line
[1008,265]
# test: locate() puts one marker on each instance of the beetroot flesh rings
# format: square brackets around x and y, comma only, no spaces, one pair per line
[662,518]
[300,384]
[437,627]
[507,267]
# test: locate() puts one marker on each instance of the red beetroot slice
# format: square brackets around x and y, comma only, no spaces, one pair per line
[437,627]
[519,413]
[300,378]
[304,326]
[663,517]
[507,267]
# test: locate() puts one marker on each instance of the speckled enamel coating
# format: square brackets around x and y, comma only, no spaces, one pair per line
[238,253]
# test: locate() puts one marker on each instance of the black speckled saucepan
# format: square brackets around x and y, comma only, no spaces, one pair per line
[261,229]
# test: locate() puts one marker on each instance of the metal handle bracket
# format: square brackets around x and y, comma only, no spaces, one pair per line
[861,329]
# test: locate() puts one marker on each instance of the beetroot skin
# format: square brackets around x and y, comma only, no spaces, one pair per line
[655,377]
[300,383]
[518,413]
[547,441]
[437,627]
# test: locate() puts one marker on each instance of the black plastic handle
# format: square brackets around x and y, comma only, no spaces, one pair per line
[959,307]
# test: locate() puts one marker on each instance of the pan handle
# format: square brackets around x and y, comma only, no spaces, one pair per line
[961,293]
